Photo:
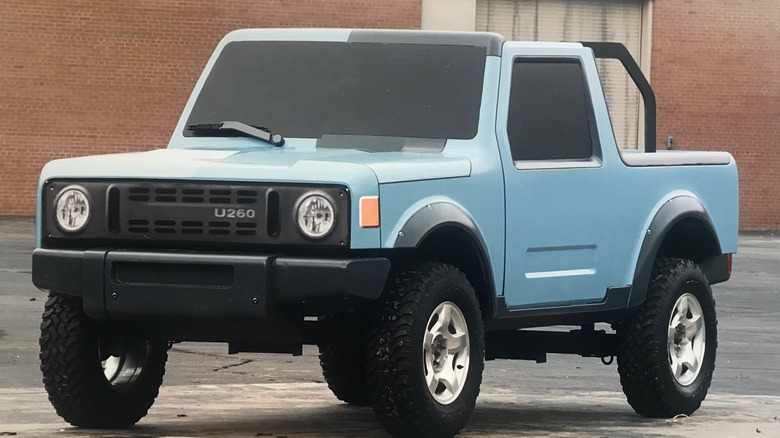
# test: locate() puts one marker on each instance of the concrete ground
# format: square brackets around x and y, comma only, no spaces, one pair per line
[210,393]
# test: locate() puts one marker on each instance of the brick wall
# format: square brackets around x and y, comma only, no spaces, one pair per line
[716,72]
[92,76]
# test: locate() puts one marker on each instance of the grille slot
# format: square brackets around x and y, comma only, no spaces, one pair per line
[191,195]
[190,227]
[273,221]
[113,210]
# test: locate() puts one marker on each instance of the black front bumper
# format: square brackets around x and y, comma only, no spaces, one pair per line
[136,285]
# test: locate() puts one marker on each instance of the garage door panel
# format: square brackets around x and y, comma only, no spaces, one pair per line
[579,20]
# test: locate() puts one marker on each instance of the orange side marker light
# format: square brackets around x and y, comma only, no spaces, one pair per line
[369,212]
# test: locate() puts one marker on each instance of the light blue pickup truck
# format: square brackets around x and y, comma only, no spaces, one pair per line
[408,201]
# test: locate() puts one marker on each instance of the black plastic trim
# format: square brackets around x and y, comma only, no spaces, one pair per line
[56,270]
[441,214]
[299,279]
[612,308]
[490,41]
[716,269]
[430,218]
[149,285]
[620,52]
[675,210]
[140,285]
[93,294]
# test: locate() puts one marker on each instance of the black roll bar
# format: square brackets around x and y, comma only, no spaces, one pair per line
[618,51]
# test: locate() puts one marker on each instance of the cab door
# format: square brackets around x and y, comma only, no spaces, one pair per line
[559,215]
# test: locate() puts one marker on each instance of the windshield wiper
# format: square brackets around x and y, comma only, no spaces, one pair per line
[223,128]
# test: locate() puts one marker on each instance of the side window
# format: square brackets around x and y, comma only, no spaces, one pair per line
[549,114]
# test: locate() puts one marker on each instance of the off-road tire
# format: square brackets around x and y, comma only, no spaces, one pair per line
[343,367]
[394,355]
[74,378]
[643,355]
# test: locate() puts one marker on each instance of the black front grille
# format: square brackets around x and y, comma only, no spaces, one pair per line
[195,212]
[181,212]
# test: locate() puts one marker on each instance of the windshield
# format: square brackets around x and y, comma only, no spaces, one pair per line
[309,89]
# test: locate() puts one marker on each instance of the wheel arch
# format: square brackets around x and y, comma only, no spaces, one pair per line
[682,228]
[443,232]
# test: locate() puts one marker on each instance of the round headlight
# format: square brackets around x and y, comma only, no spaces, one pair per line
[72,209]
[315,216]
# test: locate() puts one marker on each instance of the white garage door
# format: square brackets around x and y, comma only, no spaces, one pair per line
[580,20]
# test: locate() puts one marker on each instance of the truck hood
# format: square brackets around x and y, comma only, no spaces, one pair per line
[305,165]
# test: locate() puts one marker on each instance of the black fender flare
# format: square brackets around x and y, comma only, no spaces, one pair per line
[438,215]
[671,213]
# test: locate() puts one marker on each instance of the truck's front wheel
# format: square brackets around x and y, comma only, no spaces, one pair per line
[425,353]
[94,380]
[667,347]
[343,363]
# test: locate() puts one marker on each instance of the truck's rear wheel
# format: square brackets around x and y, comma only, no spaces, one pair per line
[425,353]
[93,380]
[667,347]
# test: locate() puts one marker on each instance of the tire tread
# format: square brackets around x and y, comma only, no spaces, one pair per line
[344,371]
[72,375]
[389,351]
[641,375]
